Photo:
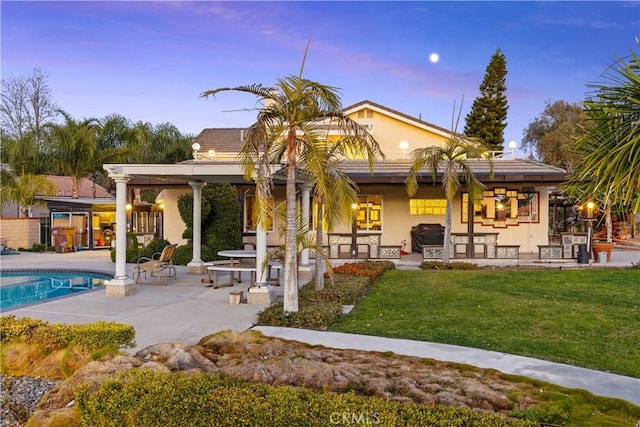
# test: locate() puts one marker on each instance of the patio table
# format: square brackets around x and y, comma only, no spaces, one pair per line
[235,255]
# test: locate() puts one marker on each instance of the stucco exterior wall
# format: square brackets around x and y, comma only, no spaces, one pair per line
[397,220]
[19,232]
[389,132]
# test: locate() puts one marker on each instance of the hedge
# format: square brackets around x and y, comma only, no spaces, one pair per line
[149,398]
[91,336]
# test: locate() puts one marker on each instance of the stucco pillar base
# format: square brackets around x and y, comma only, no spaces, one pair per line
[120,287]
[264,295]
[304,273]
[196,267]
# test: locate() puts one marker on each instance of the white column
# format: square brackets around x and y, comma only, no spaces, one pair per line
[121,285]
[304,270]
[261,255]
[196,265]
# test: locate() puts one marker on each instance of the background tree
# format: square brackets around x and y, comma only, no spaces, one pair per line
[551,138]
[287,129]
[25,191]
[75,149]
[23,156]
[487,119]
[610,170]
[27,105]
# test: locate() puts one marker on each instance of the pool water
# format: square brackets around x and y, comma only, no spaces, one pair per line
[20,288]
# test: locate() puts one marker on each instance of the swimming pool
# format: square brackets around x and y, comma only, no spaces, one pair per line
[22,287]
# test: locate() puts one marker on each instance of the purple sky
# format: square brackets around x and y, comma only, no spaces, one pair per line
[150,61]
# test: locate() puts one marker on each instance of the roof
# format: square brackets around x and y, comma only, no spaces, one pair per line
[64,184]
[226,142]
[504,170]
[397,114]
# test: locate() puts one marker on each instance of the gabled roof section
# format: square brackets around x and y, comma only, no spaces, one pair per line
[226,142]
[397,115]
[64,184]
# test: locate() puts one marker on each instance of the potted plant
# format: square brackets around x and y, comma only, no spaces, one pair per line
[602,246]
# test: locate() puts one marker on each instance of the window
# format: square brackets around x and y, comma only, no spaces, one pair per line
[427,206]
[369,213]
[251,214]
[502,207]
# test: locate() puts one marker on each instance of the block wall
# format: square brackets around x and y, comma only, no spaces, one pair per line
[19,232]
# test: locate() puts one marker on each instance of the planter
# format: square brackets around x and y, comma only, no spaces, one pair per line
[598,247]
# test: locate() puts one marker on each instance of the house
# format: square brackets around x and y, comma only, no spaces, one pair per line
[511,217]
[514,204]
[83,222]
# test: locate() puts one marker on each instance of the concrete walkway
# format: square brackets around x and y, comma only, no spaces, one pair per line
[186,310]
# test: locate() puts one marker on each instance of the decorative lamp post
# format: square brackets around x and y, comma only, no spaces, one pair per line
[512,147]
[195,147]
[354,231]
[589,217]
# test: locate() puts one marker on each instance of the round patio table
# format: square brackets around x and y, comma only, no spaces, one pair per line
[232,254]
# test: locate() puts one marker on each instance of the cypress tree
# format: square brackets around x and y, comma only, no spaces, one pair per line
[487,118]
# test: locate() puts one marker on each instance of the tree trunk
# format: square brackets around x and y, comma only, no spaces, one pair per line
[318,279]
[471,249]
[290,249]
[609,223]
[447,232]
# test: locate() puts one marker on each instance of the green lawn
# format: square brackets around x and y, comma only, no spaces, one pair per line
[588,318]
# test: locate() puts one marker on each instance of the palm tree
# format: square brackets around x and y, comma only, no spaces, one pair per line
[334,193]
[24,190]
[287,129]
[610,154]
[76,153]
[450,161]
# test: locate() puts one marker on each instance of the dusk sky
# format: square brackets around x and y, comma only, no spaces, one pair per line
[150,61]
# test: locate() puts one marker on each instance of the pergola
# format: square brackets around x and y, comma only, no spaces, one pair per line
[195,173]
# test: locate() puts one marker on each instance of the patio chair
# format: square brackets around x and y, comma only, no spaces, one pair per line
[159,265]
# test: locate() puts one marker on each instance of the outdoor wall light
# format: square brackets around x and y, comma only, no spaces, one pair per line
[403,146]
[590,207]
[195,147]
[128,206]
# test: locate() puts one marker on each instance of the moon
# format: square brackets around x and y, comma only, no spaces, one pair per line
[434,57]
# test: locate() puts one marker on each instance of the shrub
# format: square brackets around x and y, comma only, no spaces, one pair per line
[372,269]
[153,247]
[345,290]
[150,398]
[455,265]
[133,254]
[41,247]
[220,213]
[317,316]
[321,309]
[91,336]
[184,254]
